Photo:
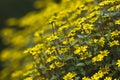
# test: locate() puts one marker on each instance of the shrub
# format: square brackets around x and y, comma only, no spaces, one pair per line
[73,40]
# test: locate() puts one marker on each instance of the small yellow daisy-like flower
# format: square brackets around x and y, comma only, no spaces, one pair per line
[52,38]
[84,48]
[117,22]
[115,33]
[86,78]
[65,42]
[52,66]
[95,40]
[29,78]
[118,63]
[102,41]
[59,64]
[69,76]
[113,43]
[104,53]
[71,39]
[51,58]
[108,78]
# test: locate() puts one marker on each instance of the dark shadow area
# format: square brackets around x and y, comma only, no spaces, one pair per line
[14,8]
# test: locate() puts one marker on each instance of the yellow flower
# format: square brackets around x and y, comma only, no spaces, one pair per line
[69,76]
[117,22]
[17,73]
[95,40]
[100,73]
[84,48]
[59,64]
[71,39]
[115,34]
[52,66]
[118,63]
[97,58]
[85,56]
[104,53]
[51,58]
[77,51]
[87,28]
[113,43]
[51,38]
[50,50]
[65,42]
[86,78]
[100,56]
[97,76]
[29,78]
[102,41]
[106,2]
[81,49]
[63,50]
[104,70]
[63,27]
[108,78]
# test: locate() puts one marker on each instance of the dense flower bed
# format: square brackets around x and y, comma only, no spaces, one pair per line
[72,40]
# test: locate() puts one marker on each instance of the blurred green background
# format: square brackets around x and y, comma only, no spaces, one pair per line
[14,8]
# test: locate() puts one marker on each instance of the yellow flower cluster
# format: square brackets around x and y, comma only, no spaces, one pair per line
[81,49]
[100,74]
[56,65]
[100,56]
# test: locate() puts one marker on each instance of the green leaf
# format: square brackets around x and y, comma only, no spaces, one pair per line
[73,43]
[88,62]
[69,58]
[77,78]
[54,78]
[72,68]
[82,71]
[80,64]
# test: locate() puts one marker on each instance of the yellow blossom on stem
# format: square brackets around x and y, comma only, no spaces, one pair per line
[52,66]
[86,78]
[69,76]
[102,41]
[118,63]
[51,38]
[29,78]
[113,43]
[115,34]
[108,78]
[117,22]
[51,58]
[100,73]
[59,64]
[100,56]
[81,49]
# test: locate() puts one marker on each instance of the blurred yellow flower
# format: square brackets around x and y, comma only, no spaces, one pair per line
[69,76]
[118,63]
